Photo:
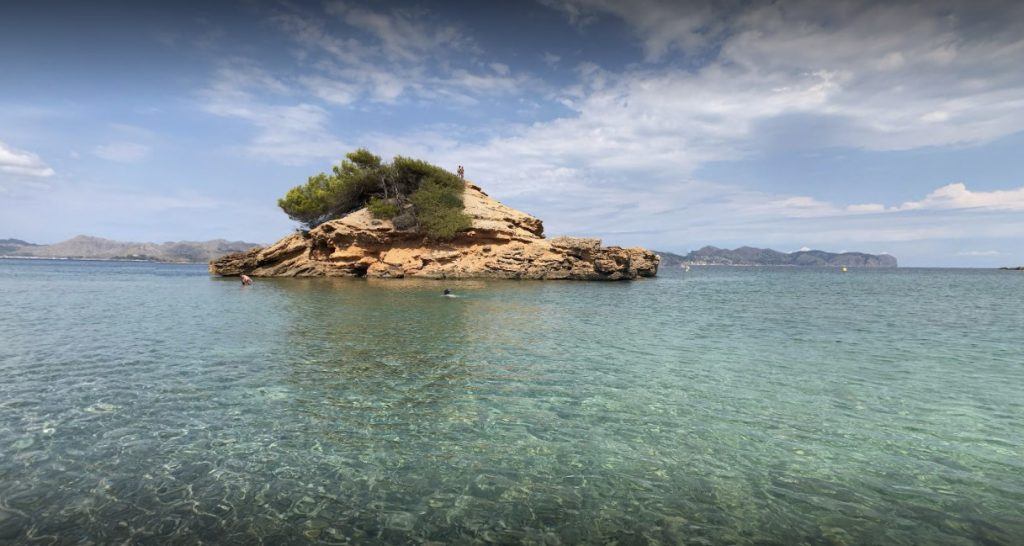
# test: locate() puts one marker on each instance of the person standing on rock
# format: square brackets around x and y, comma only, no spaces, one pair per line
[462,172]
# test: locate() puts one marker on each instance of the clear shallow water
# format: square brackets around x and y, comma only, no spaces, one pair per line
[723,406]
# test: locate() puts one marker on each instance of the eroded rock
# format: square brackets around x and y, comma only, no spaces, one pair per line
[502,243]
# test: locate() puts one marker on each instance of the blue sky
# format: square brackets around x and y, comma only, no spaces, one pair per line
[878,127]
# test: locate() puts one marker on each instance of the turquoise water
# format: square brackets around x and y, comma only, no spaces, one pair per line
[154,404]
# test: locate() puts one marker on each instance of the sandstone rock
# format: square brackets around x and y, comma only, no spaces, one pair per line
[502,243]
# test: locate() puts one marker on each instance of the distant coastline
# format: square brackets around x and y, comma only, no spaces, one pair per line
[88,248]
[765,257]
[77,259]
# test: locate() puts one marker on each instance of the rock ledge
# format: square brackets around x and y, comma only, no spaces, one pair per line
[503,243]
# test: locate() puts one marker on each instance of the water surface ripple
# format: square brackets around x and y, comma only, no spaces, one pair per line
[152,404]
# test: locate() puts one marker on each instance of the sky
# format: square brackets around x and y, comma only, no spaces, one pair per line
[881,127]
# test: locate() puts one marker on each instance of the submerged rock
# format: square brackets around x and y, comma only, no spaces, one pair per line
[502,243]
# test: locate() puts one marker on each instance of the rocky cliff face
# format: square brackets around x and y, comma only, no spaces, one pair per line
[503,243]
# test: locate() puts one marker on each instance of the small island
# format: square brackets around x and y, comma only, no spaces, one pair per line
[408,218]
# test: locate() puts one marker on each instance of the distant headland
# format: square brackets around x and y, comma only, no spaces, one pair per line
[84,247]
[408,218]
[750,256]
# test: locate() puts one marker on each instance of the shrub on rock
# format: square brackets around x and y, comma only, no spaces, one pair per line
[424,196]
[381,208]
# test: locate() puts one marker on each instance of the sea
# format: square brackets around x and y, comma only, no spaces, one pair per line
[147,403]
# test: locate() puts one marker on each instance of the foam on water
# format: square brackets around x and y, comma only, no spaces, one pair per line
[151,403]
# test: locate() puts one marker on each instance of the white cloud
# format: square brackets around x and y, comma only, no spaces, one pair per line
[866,208]
[481,83]
[331,90]
[402,34]
[122,152]
[406,54]
[937,116]
[289,134]
[22,163]
[501,69]
[662,25]
[957,196]
[978,253]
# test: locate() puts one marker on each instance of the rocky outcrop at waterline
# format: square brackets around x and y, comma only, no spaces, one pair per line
[503,243]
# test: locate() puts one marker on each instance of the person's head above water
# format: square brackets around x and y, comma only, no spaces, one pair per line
[447,291]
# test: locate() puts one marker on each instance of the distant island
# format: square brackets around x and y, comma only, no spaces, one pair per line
[84,247]
[750,256]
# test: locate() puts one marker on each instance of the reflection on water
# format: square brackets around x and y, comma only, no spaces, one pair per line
[153,404]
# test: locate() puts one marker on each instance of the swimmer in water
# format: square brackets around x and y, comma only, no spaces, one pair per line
[448,293]
[246,280]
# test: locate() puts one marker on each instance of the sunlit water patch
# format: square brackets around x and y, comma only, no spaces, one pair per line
[153,404]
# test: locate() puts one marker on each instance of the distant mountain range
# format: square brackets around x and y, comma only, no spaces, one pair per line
[750,256]
[84,247]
